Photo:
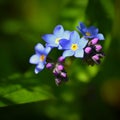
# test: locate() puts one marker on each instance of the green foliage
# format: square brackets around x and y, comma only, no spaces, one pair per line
[18,89]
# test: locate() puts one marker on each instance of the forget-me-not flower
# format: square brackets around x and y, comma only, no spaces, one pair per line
[40,57]
[91,32]
[73,46]
[53,40]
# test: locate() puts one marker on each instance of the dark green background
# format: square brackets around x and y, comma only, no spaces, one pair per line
[92,93]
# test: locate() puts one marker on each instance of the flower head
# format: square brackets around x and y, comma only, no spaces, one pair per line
[60,73]
[91,32]
[40,57]
[58,34]
[93,52]
[74,46]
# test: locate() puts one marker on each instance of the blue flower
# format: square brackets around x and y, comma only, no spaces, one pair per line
[91,32]
[58,34]
[40,57]
[73,46]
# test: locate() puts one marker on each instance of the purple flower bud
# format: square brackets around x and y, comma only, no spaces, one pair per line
[95,57]
[60,67]
[94,41]
[98,48]
[57,81]
[88,50]
[49,65]
[55,72]
[61,59]
[63,74]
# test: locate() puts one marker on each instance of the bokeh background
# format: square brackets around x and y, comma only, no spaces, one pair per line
[92,93]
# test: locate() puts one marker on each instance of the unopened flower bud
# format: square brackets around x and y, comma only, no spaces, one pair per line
[61,59]
[98,48]
[88,50]
[49,65]
[55,72]
[63,74]
[60,67]
[94,41]
[95,57]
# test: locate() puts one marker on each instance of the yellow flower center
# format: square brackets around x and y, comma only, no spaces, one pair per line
[42,57]
[88,33]
[74,47]
[57,40]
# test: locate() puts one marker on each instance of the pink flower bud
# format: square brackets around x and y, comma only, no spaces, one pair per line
[88,50]
[98,48]
[63,74]
[60,67]
[55,72]
[95,57]
[61,59]
[49,65]
[94,41]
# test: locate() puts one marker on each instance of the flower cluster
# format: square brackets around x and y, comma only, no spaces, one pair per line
[86,48]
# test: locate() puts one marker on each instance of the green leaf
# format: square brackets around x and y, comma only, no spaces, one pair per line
[18,89]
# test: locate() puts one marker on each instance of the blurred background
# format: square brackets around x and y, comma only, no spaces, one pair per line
[92,93]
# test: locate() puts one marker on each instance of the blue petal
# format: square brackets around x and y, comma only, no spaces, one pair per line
[67,53]
[37,71]
[93,30]
[60,47]
[66,35]
[82,28]
[66,44]
[51,45]
[49,38]
[34,59]
[79,53]
[82,25]
[39,48]
[83,42]
[47,50]
[74,37]
[100,36]
[58,31]
[83,31]
[39,67]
